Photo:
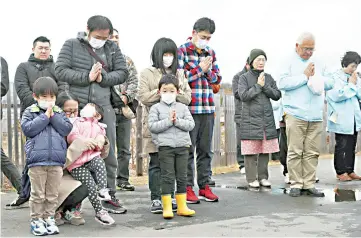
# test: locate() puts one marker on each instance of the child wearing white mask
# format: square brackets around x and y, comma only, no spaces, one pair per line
[170,123]
[92,132]
[45,127]
[164,62]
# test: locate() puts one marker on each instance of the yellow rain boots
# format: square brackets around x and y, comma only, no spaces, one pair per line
[182,209]
[167,207]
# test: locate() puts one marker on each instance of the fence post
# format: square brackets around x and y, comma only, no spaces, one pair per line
[16,126]
[139,144]
[8,118]
[230,130]
[217,133]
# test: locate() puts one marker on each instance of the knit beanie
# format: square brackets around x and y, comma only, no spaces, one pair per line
[254,54]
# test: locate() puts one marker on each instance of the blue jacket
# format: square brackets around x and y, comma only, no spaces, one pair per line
[298,100]
[343,107]
[45,145]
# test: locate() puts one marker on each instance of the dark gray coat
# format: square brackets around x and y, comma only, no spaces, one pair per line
[257,113]
[27,73]
[237,99]
[75,63]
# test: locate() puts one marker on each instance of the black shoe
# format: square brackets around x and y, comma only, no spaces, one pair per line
[313,192]
[211,182]
[156,207]
[126,186]
[114,206]
[295,192]
[17,204]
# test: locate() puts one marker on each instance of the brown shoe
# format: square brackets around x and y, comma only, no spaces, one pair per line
[344,177]
[354,176]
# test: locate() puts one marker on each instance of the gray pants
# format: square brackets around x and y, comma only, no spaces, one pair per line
[124,127]
[10,171]
[256,167]
[240,157]
[173,167]
[201,137]
[111,162]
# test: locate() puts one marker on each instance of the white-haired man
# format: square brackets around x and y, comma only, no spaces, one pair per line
[304,81]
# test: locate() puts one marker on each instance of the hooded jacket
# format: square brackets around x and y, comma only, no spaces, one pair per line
[45,144]
[27,73]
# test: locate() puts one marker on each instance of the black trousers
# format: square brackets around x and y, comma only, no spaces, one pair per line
[74,198]
[10,171]
[276,155]
[173,167]
[344,157]
[201,137]
[283,149]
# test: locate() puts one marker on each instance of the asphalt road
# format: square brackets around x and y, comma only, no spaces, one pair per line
[239,212]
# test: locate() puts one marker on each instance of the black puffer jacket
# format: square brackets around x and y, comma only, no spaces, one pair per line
[27,73]
[237,99]
[4,76]
[257,113]
[75,63]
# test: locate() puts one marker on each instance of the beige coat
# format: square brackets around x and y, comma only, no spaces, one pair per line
[68,183]
[148,96]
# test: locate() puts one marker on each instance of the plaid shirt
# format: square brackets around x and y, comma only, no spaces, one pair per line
[200,82]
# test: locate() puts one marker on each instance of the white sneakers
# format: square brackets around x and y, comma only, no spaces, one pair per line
[254,184]
[51,226]
[243,170]
[104,195]
[263,183]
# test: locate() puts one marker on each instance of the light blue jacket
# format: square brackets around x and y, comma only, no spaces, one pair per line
[276,106]
[298,100]
[343,108]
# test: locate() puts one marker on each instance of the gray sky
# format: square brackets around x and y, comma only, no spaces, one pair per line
[240,26]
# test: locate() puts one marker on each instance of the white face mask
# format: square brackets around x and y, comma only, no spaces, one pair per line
[87,112]
[201,44]
[43,104]
[167,61]
[72,119]
[168,98]
[95,43]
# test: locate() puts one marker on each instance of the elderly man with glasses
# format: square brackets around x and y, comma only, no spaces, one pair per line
[304,80]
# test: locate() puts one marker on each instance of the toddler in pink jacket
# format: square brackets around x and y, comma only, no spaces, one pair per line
[88,129]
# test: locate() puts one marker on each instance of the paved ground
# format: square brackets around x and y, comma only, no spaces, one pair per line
[239,212]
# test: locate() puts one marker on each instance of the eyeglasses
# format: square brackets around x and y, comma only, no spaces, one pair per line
[70,112]
[310,50]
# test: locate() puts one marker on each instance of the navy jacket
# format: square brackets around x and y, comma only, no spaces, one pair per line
[45,145]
